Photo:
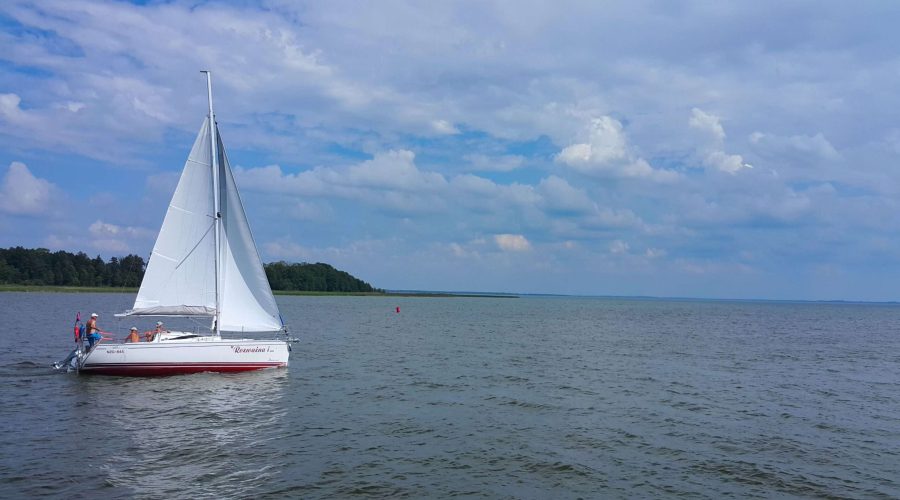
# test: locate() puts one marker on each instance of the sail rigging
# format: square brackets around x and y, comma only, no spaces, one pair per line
[180,276]
[205,262]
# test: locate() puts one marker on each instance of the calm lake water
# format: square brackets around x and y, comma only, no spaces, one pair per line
[486,397]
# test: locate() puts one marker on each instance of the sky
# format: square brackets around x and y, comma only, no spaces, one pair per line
[659,148]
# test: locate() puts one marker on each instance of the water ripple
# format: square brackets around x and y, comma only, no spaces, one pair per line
[528,398]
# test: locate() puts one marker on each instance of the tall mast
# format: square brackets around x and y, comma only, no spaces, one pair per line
[216,195]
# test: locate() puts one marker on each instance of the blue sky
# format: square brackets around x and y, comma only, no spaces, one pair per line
[705,149]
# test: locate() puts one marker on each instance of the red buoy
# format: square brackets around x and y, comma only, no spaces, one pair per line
[398,309]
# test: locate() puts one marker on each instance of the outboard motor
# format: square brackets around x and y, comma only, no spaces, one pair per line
[71,363]
[73,360]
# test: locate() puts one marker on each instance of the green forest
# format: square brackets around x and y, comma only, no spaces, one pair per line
[316,277]
[41,267]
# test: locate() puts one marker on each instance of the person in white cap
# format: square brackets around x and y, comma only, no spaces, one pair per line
[150,335]
[93,331]
[133,336]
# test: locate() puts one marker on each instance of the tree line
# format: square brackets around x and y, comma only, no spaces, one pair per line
[318,277]
[41,267]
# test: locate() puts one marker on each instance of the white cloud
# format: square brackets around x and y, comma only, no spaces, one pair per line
[606,143]
[21,193]
[100,228]
[711,151]
[10,110]
[618,247]
[815,147]
[606,152]
[114,238]
[559,196]
[512,242]
[387,171]
[444,127]
[707,123]
[74,106]
[394,169]
[726,162]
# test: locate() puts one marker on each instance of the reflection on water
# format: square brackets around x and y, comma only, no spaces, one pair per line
[203,430]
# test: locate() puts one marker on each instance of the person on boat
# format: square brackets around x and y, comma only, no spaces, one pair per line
[93,330]
[133,336]
[150,335]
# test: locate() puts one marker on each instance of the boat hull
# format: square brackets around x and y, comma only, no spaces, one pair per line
[204,354]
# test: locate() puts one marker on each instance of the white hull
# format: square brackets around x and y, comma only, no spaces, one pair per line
[171,355]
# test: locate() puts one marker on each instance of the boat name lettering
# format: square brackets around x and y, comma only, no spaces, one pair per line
[115,351]
[240,350]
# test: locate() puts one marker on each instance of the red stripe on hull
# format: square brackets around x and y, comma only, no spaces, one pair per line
[163,369]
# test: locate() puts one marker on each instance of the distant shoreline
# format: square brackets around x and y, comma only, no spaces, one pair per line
[436,294]
[102,289]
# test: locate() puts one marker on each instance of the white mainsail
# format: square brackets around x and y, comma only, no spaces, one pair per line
[181,275]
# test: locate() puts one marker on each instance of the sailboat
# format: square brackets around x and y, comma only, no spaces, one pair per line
[204,265]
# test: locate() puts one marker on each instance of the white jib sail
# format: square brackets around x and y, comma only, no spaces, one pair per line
[245,297]
[181,277]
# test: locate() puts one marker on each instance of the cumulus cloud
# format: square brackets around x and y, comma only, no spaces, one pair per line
[512,242]
[21,193]
[708,124]
[606,152]
[711,151]
[396,170]
[606,143]
[726,162]
[393,170]
[114,238]
[10,110]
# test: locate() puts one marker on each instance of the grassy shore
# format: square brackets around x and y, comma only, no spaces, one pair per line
[101,289]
